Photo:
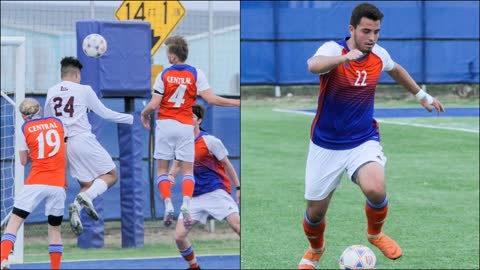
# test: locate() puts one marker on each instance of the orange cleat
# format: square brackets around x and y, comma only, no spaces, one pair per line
[311,257]
[387,245]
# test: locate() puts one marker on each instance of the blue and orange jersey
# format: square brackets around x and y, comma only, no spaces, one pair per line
[208,171]
[344,117]
[45,138]
[179,84]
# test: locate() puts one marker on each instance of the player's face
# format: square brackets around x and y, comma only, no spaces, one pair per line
[171,57]
[196,121]
[366,34]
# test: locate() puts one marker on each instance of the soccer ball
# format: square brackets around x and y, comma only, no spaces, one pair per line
[94,45]
[358,257]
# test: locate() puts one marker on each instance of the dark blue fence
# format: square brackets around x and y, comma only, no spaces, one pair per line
[437,42]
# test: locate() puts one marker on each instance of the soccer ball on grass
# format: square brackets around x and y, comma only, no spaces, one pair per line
[358,257]
[94,45]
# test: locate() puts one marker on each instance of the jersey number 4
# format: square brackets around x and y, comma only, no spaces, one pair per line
[177,97]
[52,138]
[68,106]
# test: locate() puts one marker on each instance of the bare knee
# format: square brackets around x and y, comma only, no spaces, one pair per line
[110,178]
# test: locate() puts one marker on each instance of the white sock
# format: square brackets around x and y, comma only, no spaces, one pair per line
[186,201]
[78,205]
[97,188]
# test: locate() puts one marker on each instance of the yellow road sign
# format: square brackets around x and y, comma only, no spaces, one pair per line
[163,16]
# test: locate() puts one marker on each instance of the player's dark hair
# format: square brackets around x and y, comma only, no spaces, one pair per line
[178,46]
[365,10]
[198,110]
[69,64]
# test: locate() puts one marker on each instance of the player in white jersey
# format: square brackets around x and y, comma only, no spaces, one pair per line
[88,161]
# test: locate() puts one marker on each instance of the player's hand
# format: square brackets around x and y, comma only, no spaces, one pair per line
[435,103]
[171,179]
[146,121]
[353,55]
[237,195]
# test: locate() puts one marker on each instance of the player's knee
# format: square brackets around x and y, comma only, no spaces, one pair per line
[114,175]
[55,220]
[179,237]
[21,213]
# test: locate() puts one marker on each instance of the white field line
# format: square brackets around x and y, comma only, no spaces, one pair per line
[390,122]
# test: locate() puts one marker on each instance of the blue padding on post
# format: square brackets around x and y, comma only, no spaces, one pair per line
[92,236]
[125,69]
[131,183]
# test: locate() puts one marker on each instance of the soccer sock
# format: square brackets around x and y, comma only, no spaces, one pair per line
[8,240]
[376,214]
[164,186]
[55,251]
[314,231]
[189,257]
[188,184]
[98,187]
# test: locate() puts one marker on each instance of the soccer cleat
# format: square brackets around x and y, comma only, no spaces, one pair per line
[187,218]
[5,265]
[311,257]
[84,200]
[75,222]
[387,245]
[168,217]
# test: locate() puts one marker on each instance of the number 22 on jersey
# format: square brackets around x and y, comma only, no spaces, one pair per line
[177,97]
[52,138]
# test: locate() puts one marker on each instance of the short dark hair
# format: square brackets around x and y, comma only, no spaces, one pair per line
[69,64]
[198,110]
[365,10]
[178,46]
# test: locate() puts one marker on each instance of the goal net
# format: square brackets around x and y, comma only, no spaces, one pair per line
[12,93]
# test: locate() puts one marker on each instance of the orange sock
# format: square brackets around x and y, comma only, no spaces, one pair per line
[314,232]
[55,251]
[189,256]
[164,186]
[188,184]
[8,240]
[375,217]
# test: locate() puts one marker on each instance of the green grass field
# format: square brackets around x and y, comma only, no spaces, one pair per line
[432,182]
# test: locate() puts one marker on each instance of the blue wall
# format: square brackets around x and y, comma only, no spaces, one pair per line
[437,42]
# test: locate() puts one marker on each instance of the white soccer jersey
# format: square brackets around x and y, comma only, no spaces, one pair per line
[69,101]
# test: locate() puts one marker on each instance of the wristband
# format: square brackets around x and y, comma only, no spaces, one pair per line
[424,95]
[238,188]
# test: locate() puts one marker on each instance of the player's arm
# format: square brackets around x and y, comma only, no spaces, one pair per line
[23,149]
[329,56]
[232,174]
[173,171]
[94,104]
[401,76]
[24,157]
[213,99]
[150,108]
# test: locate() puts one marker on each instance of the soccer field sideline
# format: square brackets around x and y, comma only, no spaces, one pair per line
[381,120]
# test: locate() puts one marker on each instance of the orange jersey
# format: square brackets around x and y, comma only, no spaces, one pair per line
[179,84]
[45,137]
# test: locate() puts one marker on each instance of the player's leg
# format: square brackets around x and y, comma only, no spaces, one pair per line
[55,245]
[184,246]
[9,236]
[220,205]
[164,186]
[234,221]
[323,172]
[368,166]
[188,185]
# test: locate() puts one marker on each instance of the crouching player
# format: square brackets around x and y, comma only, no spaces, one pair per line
[44,143]
[211,195]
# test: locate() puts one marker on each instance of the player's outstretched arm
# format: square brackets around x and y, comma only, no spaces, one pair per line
[401,76]
[94,104]
[232,173]
[323,64]
[149,109]
[213,99]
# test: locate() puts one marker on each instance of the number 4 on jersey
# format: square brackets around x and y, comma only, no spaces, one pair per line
[177,97]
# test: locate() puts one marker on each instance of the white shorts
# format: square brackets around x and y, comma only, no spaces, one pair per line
[174,140]
[32,195]
[325,167]
[87,159]
[218,204]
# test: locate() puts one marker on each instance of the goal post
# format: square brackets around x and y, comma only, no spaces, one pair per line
[13,97]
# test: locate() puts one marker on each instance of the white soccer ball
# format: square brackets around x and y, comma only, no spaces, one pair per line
[358,257]
[94,45]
